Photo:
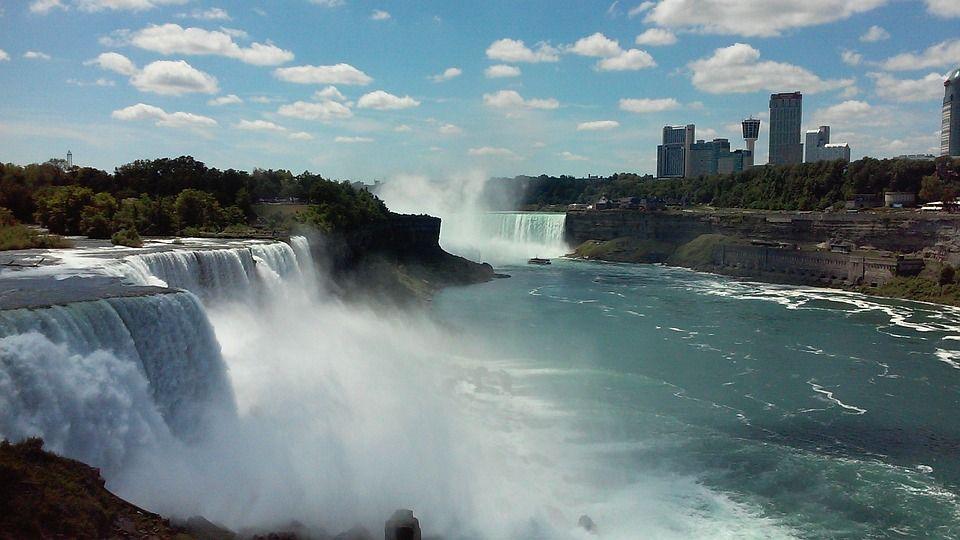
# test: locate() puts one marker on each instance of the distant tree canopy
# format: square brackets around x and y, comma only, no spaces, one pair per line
[170,196]
[808,186]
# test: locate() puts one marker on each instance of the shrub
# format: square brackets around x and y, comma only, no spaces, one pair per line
[127,237]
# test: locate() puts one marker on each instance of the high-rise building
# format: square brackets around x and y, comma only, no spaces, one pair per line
[673,156]
[786,114]
[818,147]
[950,130]
[751,132]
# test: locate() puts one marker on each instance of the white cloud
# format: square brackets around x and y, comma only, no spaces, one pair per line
[43,7]
[598,125]
[596,45]
[4,57]
[328,3]
[36,55]
[259,125]
[379,15]
[851,58]
[943,8]
[738,69]
[335,74]
[500,71]
[323,111]
[301,136]
[640,8]
[449,73]
[174,78]
[490,151]
[403,128]
[630,60]
[570,156]
[645,105]
[331,93]
[656,36]
[753,17]
[174,39]
[124,5]
[144,112]
[510,99]
[875,33]
[383,101]
[98,82]
[210,14]
[352,140]
[515,51]
[929,88]
[450,129]
[114,62]
[945,54]
[854,113]
[229,99]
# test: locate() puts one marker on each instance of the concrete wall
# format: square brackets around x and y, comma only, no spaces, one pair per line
[793,266]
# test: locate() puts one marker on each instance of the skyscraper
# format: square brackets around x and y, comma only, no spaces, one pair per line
[751,132]
[673,156]
[786,113]
[950,130]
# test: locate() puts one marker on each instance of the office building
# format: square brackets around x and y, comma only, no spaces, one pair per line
[950,130]
[708,158]
[819,148]
[786,114]
[674,154]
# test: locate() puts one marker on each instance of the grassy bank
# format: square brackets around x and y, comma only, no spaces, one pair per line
[22,237]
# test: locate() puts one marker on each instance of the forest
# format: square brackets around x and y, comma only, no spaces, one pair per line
[809,186]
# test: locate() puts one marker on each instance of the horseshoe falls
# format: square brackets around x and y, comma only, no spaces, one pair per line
[222,380]
[507,237]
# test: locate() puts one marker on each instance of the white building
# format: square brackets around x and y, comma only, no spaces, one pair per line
[818,147]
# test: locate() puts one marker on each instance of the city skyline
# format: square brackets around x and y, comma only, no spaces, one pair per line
[500,87]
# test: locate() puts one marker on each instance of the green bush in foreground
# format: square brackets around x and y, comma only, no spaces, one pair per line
[127,237]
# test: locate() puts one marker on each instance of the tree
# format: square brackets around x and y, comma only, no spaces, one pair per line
[60,209]
[197,209]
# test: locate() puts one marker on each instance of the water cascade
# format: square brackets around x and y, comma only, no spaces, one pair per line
[507,237]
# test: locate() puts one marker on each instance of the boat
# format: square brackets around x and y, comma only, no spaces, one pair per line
[539,261]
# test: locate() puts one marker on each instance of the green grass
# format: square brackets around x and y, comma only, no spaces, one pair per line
[625,249]
[918,288]
[22,237]
[698,253]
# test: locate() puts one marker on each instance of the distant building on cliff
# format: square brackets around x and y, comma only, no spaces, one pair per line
[950,129]
[819,148]
[786,114]
[674,154]
[708,158]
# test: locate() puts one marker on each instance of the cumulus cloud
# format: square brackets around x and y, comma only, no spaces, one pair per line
[640,8]
[853,112]
[945,54]
[596,45]
[515,51]
[384,101]
[490,151]
[328,3]
[43,7]
[510,99]
[331,93]
[629,60]
[851,58]
[259,125]
[209,14]
[570,156]
[403,128]
[144,112]
[613,58]
[115,62]
[301,136]
[379,15]
[875,33]
[36,55]
[929,88]
[229,99]
[450,129]
[352,140]
[656,36]
[598,125]
[4,56]
[174,78]
[500,71]
[323,111]
[943,8]
[449,73]
[645,105]
[753,17]
[738,69]
[174,39]
[335,74]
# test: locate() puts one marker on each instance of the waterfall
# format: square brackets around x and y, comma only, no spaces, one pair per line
[507,237]
[97,379]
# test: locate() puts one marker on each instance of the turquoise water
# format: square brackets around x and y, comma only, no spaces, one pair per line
[723,408]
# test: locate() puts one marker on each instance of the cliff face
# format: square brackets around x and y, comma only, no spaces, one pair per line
[903,232]
[397,259]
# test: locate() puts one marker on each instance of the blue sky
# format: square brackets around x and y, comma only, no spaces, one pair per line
[370,90]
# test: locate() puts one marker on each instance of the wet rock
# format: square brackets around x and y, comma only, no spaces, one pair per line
[402,526]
